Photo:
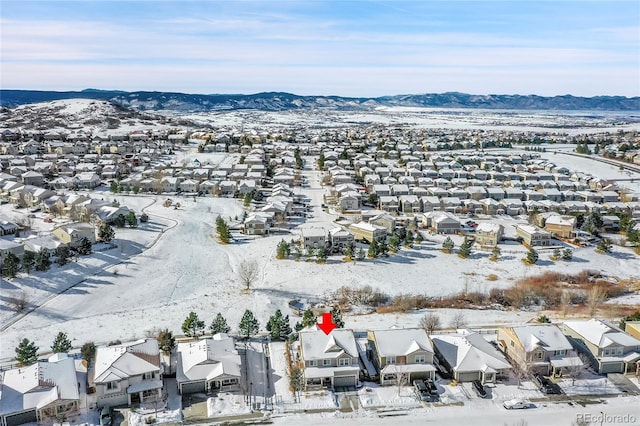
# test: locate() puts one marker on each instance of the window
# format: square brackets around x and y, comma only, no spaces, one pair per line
[512,344]
[112,385]
[391,360]
[538,355]
[344,361]
[326,362]
[561,352]
[313,363]
[421,359]
[148,376]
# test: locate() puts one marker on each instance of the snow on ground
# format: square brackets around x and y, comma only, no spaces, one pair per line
[141,417]
[373,395]
[226,404]
[592,385]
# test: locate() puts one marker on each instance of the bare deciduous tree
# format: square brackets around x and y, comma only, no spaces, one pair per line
[565,303]
[595,297]
[576,370]
[402,377]
[248,272]
[458,320]
[430,322]
[19,302]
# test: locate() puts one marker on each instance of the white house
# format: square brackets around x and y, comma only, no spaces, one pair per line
[329,360]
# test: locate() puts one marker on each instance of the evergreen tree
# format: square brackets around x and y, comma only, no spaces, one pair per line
[247,199]
[28,261]
[408,239]
[224,234]
[321,161]
[88,351]
[336,316]
[604,246]
[278,326]
[567,254]
[394,243]
[465,248]
[556,254]
[63,253]
[418,238]
[373,249]
[360,254]
[61,344]
[85,247]
[282,249]
[120,221]
[308,319]
[532,256]
[219,325]
[321,255]
[43,260]
[106,233]
[348,251]
[114,187]
[132,221]
[10,265]
[192,325]
[249,325]
[495,254]
[447,245]
[166,341]
[26,352]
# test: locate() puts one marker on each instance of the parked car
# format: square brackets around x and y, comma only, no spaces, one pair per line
[106,416]
[426,390]
[545,385]
[517,404]
[479,389]
[431,386]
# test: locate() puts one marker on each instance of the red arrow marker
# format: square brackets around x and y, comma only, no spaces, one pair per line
[327,325]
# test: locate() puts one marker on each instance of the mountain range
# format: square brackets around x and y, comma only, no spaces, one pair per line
[280,101]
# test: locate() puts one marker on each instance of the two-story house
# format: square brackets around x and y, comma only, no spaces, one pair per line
[331,360]
[609,349]
[489,234]
[537,348]
[532,236]
[127,374]
[207,365]
[469,356]
[42,392]
[402,351]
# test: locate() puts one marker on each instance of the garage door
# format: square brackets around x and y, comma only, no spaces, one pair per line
[344,381]
[22,418]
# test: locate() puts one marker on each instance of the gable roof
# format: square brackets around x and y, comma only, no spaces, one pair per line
[602,333]
[115,363]
[469,352]
[208,358]
[547,336]
[402,341]
[317,345]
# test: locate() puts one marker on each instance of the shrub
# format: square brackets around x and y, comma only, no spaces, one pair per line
[492,277]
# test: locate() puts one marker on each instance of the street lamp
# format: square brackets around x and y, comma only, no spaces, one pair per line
[601,417]
[251,395]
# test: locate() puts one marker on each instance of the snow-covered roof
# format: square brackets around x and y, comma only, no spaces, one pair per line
[469,352]
[207,359]
[488,227]
[119,362]
[38,385]
[602,333]
[401,341]
[547,336]
[317,345]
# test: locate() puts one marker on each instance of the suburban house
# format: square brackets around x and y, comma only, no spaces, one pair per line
[42,392]
[331,360]
[469,356]
[73,233]
[385,220]
[313,238]
[488,235]
[632,328]
[207,365]
[340,238]
[368,231]
[609,349]
[560,226]
[541,348]
[8,246]
[532,236]
[442,222]
[256,224]
[401,351]
[127,374]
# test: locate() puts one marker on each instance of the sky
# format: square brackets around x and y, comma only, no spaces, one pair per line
[362,48]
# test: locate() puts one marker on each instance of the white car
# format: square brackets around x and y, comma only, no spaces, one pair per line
[516,404]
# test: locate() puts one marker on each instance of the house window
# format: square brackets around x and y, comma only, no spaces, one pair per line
[561,352]
[421,359]
[538,355]
[148,376]
[112,385]
[313,363]
[344,361]
[391,360]
[512,344]
[326,362]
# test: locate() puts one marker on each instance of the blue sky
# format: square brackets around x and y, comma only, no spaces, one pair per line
[312,47]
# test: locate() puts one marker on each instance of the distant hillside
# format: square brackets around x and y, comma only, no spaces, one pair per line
[276,101]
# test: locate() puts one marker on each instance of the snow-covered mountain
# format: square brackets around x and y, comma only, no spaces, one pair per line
[88,114]
[279,101]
